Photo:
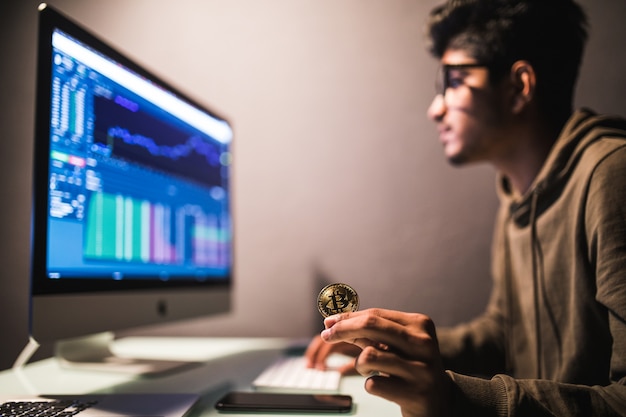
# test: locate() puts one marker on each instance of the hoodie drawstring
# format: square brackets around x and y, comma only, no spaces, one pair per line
[534,250]
[539,293]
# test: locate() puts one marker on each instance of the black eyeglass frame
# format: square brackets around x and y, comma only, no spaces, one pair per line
[442,80]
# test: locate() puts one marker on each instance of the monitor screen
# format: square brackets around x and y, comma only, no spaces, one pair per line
[131,198]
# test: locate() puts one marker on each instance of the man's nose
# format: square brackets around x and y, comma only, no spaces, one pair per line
[437,108]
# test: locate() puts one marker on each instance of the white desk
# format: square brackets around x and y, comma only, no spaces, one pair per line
[223,364]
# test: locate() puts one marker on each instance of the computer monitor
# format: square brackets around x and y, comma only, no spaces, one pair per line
[131,199]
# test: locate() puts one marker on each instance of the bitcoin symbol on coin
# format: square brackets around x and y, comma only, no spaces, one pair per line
[337,298]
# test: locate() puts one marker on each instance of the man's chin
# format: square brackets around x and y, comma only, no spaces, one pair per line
[457,160]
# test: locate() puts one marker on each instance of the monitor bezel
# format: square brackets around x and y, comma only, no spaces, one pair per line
[49,20]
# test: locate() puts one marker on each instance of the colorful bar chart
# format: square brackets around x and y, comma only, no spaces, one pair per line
[124,229]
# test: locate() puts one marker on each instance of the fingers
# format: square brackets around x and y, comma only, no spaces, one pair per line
[407,334]
[373,362]
[392,315]
[420,388]
[317,352]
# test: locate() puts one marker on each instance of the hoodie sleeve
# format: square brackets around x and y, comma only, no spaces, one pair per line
[605,221]
[508,397]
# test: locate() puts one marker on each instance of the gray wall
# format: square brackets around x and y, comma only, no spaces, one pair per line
[338,173]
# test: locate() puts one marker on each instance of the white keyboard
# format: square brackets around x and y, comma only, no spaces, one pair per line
[289,374]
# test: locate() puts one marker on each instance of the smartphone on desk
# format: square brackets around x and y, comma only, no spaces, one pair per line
[277,402]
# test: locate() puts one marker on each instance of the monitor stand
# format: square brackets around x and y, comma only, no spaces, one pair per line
[94,353]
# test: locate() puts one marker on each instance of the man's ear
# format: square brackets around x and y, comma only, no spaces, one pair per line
[524,81]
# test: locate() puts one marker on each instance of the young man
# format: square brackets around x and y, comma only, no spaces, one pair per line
[552,341]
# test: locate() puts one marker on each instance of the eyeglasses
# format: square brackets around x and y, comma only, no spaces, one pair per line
[443,81]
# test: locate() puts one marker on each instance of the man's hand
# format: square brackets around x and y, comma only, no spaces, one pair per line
[318,351]
[399,355]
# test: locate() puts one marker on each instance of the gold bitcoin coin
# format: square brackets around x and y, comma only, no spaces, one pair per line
[337,298]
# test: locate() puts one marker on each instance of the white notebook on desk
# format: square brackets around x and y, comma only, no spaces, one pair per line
[101,405]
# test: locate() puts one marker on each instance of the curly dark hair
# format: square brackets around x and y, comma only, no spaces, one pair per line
[549,34]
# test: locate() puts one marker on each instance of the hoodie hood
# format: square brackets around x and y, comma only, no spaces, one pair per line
[582,129]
